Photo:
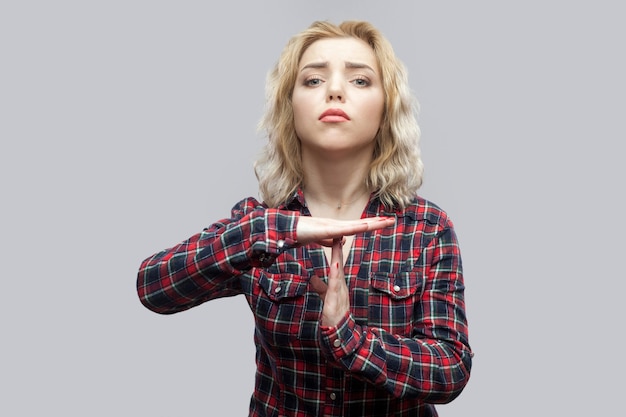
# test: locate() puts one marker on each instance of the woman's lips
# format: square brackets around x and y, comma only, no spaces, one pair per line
[334,116]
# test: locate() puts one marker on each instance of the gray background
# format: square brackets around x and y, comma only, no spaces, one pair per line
[127,126]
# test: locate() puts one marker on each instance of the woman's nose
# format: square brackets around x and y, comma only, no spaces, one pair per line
[335,91]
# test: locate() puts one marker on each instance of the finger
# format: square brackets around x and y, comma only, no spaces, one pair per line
[336,299]
[341,228]
[336,262]
[375,223]
[359,226]
[312,229]
[369,223]
[335,275]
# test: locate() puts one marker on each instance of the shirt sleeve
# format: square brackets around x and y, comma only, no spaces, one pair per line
[209,264]
[435,363]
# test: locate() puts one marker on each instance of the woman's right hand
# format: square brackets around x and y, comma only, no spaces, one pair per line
[323,230]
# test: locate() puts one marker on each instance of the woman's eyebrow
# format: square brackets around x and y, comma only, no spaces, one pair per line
[351,65]
[359,65]
[315,65]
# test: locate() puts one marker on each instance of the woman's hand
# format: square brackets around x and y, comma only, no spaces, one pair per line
[329,232]
[324,231]
[335,295]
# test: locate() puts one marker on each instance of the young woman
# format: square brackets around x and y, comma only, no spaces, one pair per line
[355,282]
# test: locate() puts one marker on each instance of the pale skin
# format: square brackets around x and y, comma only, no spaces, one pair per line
[341,75]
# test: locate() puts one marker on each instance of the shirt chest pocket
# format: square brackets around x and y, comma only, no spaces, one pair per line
[284,280]
[283,286]
[392,301]
[278,305]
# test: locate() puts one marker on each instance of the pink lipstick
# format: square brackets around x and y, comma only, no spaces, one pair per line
[334,116]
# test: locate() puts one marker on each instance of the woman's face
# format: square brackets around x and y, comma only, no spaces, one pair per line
[338,99]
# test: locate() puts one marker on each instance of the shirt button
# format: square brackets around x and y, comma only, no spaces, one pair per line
[280,243]
[333,396]
[277,289]
[337,343]
[396,288]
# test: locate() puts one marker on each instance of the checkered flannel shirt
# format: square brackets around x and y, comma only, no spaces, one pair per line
[402,347]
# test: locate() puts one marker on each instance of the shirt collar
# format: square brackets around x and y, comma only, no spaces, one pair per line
[295,202]
[374,208]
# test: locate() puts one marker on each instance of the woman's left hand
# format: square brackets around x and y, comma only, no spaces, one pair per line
[335,294]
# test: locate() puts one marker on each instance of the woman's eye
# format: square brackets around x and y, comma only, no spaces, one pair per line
[361,82]
[313,82]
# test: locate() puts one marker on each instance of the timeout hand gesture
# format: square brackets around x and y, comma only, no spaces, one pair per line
[335,295]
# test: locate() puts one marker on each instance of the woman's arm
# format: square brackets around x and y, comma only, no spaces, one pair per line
[208,264]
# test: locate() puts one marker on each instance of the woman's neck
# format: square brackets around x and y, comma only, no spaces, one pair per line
[336,188]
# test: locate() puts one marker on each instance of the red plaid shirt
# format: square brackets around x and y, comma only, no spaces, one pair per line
[402,347]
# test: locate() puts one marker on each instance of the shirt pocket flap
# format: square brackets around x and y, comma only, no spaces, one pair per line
[281,286]
[398,285]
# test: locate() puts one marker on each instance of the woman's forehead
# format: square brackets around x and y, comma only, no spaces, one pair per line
[325,51]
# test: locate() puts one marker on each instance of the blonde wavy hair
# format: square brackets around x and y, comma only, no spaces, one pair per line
[396,169]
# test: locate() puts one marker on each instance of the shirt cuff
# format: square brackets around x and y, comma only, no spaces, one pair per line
[342,340]
[272,234]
